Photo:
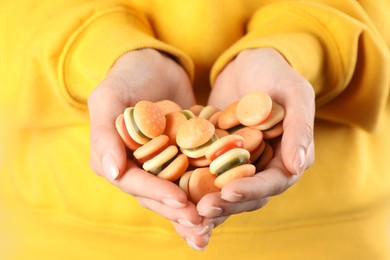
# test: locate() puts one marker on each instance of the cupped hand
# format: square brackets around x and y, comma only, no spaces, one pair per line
[265,69]
[141,75]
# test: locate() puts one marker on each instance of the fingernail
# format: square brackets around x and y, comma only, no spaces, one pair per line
[187,223]
[205,230]
[173,203]
[194,246]
[232,196]
[211,212]
[299,160]
[110,166]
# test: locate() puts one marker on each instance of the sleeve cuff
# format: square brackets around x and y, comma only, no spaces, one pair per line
[295,47]
[308,45]
[330,49]
[98,43]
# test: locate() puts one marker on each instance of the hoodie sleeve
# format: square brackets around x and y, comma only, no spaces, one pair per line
[335,46]
[71,46]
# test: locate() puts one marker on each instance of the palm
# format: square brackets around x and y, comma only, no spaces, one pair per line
[265,70]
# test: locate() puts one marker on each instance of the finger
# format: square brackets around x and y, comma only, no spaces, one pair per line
[213,206]
[186,216]
[140,183]
[95,163]
[297,140]
[215,222]
[196,240]
[272,181]
[108,153]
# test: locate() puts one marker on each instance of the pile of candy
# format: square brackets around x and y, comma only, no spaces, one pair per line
[202,148]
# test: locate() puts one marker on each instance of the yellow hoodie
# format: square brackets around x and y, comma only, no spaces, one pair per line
[54,52]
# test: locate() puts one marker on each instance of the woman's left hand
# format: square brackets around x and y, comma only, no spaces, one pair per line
[266,70]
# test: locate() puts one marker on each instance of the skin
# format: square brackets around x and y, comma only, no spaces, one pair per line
[121,89]
[265,70]
[252,70]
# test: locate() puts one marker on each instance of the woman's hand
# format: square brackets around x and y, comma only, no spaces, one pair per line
[141,75]
[265,70]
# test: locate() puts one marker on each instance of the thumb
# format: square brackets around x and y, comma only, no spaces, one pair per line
[108,153]
[297,145]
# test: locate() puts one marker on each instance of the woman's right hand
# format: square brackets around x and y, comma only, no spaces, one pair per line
[141,75]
